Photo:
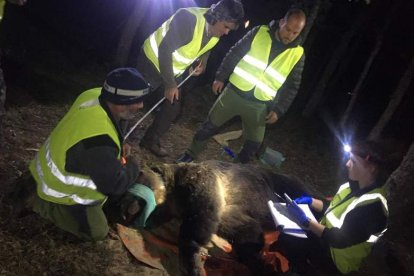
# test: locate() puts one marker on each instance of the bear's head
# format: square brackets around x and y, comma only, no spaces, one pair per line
[156,177]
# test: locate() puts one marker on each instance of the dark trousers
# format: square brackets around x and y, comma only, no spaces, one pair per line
[305,254]
[165,115]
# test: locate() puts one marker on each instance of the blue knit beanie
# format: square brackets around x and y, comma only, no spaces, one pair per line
[124,86]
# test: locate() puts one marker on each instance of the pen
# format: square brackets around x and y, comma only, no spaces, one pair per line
[288,199]
[279,197]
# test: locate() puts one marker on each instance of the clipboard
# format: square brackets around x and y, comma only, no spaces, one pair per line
[282,220]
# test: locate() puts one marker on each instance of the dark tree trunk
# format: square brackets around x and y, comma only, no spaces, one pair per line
[344,64]
[396,98]
[393,255]
[312,14]
[378,45]
[327,74]
[128,33]
[401,206]
[357,89]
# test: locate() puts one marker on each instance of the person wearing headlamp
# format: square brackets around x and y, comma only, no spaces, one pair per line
[353,221]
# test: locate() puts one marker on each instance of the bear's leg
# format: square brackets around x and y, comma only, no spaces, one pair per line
[195,231]
[247,244]
[161,215]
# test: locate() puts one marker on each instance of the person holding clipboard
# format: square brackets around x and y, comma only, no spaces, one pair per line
[349,224]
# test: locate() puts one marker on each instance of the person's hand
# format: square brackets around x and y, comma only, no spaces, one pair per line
[18,2]
[298,215]
[271,117]
[305,199]
[217,87]
[198,70]
[171,94]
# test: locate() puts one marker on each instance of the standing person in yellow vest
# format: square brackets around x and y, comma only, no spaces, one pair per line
[353,221]
[81,163]
[265,70]
[187,36]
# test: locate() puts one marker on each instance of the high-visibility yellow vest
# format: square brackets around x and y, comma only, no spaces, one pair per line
[2,3]
[254,70]
[185,55]
[86,118]
[350,258]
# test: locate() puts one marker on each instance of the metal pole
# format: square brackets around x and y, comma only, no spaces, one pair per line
[154,107]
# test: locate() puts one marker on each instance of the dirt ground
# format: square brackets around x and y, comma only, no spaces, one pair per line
[30,245]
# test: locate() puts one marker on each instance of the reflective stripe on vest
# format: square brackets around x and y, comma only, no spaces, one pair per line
[53,193]
[185,55]
[54,183]
[375,238]
[350,258]
[253,70]
[337,222]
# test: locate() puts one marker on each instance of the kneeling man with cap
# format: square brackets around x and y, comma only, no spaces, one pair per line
[79,165]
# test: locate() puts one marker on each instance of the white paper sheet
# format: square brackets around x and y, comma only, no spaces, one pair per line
[282,220]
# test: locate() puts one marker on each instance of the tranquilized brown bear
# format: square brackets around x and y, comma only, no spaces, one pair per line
[216,197]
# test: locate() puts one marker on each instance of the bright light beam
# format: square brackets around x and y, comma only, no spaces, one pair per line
[347,148]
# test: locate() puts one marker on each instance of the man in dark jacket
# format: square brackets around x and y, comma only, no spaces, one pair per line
[82,162]
[185,38]
[264,70]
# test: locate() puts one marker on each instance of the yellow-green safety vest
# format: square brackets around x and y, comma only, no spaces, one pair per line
[185,55]
[350,258]
[253,69]
[2,4]
[86,118]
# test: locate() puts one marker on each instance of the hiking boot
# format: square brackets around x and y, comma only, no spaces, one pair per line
[154,148]
[184,158]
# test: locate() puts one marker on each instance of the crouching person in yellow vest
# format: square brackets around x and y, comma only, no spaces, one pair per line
[265,69]
[79,166]
[352,222]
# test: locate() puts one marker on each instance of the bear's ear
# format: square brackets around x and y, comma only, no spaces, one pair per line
[156,167]
[164,171]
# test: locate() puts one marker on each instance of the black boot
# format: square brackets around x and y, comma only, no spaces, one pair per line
[152,143]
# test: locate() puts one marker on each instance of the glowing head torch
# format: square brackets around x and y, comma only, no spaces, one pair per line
[347,148]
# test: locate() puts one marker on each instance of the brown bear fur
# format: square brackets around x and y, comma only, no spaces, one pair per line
[216,197]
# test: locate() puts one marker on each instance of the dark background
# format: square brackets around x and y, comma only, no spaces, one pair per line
[66,37]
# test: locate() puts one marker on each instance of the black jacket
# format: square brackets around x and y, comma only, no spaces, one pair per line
[289,89]
[97,158]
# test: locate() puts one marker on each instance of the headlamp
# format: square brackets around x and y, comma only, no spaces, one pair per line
[347,148]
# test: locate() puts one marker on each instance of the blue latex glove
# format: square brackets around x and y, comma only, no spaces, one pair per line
[229,152]
[298,215]
[304,199]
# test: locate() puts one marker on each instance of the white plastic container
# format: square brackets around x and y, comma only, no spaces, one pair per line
[272,157]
